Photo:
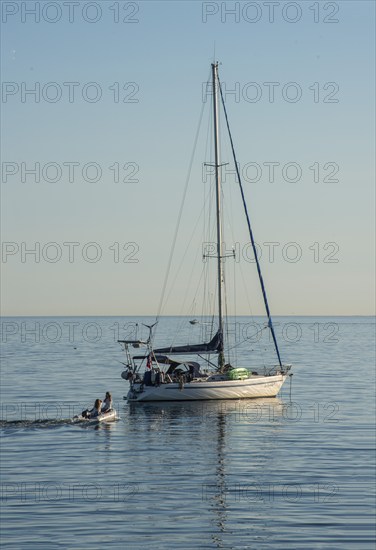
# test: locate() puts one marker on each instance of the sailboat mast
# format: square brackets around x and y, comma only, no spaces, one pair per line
[218,212]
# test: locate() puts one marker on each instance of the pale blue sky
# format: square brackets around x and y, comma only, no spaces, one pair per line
[167,56]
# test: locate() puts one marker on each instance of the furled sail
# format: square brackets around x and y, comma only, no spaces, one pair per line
[214,346]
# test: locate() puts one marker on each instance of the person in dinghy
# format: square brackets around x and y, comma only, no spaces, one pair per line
[95,411]
[107,403]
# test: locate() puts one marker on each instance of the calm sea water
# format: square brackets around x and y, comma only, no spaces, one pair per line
[293,472]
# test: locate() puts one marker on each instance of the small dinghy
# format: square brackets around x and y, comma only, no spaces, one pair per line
[108,416]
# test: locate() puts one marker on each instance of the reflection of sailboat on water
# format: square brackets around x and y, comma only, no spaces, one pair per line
[168,376]
[202,457]
[223,493]
[220,494]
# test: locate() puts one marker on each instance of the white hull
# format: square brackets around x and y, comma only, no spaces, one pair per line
[105,417]
[258,386]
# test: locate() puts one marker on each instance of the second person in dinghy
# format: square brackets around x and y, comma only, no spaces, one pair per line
[107,403]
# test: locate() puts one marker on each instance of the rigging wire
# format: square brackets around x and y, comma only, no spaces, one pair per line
[260,347]
[250,229]
[188,284]
[159,311]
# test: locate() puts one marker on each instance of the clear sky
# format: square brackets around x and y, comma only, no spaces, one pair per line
[109,130]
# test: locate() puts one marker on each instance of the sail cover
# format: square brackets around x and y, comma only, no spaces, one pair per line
[214,346]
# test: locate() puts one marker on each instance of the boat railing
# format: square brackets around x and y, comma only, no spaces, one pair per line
[274,369]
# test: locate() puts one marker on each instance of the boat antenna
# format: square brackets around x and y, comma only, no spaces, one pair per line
[270,323]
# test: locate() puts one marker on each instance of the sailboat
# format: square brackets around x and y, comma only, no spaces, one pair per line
[172,373]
